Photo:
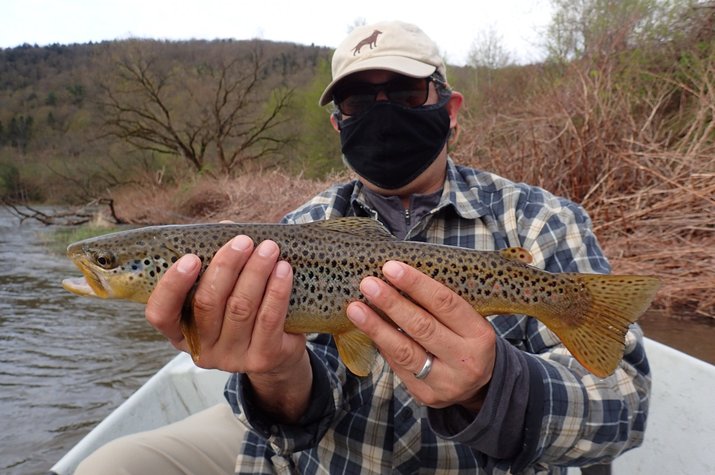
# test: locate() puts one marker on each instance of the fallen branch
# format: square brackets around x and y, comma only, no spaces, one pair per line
[77,217]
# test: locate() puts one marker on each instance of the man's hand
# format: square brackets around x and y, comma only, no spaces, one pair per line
[240,307]
[433,319]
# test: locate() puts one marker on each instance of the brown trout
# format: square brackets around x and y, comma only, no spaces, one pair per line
[590,313]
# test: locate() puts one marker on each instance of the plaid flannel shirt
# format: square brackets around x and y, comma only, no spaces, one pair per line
[372,425]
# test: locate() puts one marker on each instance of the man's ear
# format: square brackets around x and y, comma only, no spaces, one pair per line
[453,106]
[334,121]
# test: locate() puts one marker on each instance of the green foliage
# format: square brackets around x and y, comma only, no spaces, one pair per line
[77,93]
[592,28]
[317,152]
[19,132]
[58,238]
[10,186]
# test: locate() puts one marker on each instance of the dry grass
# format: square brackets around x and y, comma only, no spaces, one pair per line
[255,197]
[639,156]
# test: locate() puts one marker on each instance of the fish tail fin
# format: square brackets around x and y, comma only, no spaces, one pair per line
[188,326]
[356,350]
[597,339]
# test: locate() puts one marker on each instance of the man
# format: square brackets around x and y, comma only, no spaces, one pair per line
[451,390]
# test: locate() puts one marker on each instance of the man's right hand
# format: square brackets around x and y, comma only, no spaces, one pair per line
[240,306]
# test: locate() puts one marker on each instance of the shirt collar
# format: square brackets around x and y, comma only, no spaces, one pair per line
[457,194]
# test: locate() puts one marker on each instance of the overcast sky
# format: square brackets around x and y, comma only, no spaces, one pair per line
[452,24]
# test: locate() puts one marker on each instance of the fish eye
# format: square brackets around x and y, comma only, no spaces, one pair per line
[105,260]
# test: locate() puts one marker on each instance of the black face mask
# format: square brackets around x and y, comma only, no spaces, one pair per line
[390,145]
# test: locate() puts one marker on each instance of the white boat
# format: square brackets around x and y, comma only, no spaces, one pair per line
[679,438]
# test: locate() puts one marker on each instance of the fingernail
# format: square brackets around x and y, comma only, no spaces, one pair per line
[370,288]
[241,243]
[186,264]
[393,270]
[266,249]
[282,269]
[356,315]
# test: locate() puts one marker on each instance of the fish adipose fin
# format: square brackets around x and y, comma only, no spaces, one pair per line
[356,350]
[597,336]
[518,254]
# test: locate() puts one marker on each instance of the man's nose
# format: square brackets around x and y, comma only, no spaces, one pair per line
[381,96]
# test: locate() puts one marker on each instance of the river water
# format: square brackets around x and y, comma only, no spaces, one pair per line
[67,361]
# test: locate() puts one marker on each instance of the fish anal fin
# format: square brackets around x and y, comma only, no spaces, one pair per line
[356,350]
[365,228]
[596,336]
[518,254]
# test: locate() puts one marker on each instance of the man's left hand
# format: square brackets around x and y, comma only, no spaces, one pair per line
[433,320]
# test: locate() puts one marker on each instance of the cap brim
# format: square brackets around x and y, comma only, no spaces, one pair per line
[397,64]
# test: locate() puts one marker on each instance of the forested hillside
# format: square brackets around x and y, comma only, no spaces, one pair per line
[78,119]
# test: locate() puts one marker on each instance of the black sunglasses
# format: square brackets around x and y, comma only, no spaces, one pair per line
[355,98]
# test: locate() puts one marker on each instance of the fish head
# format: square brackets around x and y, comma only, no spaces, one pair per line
[123,266]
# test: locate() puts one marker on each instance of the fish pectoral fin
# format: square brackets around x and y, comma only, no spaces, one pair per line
[171,249]
[188,325]
[597,339]
[518,254]
[356,350]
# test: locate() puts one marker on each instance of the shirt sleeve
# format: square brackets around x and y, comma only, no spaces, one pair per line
[498,429]
[284,439]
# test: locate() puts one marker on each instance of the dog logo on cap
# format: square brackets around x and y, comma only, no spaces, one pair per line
[369,41]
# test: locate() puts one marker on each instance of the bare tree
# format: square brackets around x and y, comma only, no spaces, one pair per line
[488,51]
[601,28]
[217,115]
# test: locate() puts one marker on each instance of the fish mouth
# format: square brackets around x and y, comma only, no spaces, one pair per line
[90,285]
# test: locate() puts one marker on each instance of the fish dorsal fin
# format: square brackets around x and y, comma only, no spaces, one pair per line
[518,254]
[365,228]
[356,350]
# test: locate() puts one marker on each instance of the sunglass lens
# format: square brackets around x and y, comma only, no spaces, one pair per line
[354,99]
